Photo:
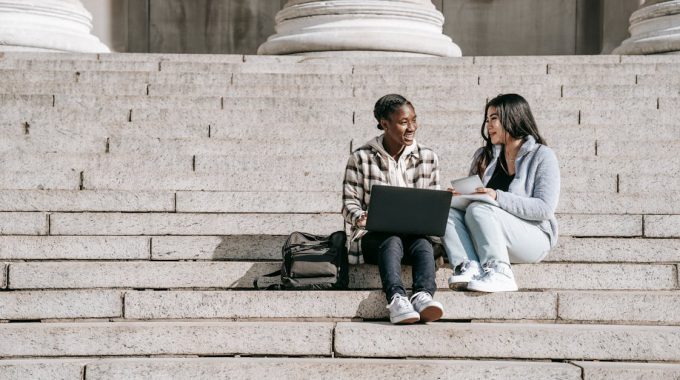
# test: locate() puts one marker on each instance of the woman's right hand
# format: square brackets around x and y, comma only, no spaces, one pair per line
[453,191]
[361,222]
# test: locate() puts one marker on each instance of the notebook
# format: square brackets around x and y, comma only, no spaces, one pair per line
[405,210]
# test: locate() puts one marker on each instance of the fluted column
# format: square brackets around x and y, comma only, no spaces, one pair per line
[342,27]
[654,29]
[47,25]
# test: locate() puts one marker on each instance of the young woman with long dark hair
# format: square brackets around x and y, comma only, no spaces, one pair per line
[522,175]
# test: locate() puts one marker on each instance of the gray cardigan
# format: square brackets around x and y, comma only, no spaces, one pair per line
[534,192]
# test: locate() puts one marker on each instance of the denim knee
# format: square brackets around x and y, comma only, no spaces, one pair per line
[478,211]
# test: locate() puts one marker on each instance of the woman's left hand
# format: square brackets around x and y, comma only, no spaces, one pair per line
[487,191]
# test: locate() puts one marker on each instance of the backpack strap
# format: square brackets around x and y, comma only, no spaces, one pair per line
[269,281]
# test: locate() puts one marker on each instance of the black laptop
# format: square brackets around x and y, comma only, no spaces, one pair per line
[405,210]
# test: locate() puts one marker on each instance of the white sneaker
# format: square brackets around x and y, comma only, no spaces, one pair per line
[497,277]
[464,273]
[401,310]
[429,309]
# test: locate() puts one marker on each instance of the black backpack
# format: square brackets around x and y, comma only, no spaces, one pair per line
[311,262]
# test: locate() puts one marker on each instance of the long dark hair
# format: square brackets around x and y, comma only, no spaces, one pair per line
[386,105]
[515,117]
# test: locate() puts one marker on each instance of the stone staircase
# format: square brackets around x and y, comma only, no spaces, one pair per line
[142,194]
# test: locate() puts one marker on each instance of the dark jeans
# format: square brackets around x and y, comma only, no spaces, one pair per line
[389,251]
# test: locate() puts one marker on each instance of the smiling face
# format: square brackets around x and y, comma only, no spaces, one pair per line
[400,128]
[497,134]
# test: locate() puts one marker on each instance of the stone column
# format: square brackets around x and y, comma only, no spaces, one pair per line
[654,29]
[360,27]
[47,25]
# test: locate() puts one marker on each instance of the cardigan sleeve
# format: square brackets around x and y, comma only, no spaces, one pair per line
[545,195]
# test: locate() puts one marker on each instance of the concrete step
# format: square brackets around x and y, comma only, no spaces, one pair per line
[63,369]
[54,129]
[75,248]
[189,224]
[157,338]
[285,368]
[73,89]
[620,91]
[23,223]
[76,65]
[73,304]
[601,307]
[628,371]
[63,163]
[76,102]
[86,200]
[526,341]
[268,247]
[626,201]
[39,179]
[616,307]
[609,250]
[240,275]
[662,226]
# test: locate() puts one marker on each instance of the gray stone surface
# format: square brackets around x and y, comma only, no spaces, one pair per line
[662,226]
[612,307]
[256,67]
[620,91]
[67,179]
[584,60]
[519,341]
[244,201]
[3,275]
[77,65]
[75,163]
[227,180]
[36,369]
[191,224]
[615,250]
[600,225]
[314,304]
[84,200]
[60,304]
[74,248]
[57,144]
[603,69]
[203,103]
[648,183]
[158,338]
[628,371]
[252,147]
[23,223]
[152,275]
[617,203]
[327,369]
[520,80]
[229,247]
[73,89]
[596,276]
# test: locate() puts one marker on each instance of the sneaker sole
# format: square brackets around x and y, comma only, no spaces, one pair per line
[407,321]
[431,314]
[472,287]
[457,285]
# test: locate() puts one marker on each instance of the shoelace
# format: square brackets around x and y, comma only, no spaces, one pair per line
[464,266]
[402,302]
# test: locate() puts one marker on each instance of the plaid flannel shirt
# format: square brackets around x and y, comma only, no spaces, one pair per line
[367,167]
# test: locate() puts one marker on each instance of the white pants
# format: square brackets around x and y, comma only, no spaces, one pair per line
[484,233]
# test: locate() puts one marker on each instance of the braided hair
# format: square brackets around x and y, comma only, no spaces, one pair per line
[515,117]
[386,105]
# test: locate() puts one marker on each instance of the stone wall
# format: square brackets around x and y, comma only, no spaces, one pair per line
[479,27]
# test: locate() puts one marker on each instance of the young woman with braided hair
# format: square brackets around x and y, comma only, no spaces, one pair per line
[394,158]
[520,173]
